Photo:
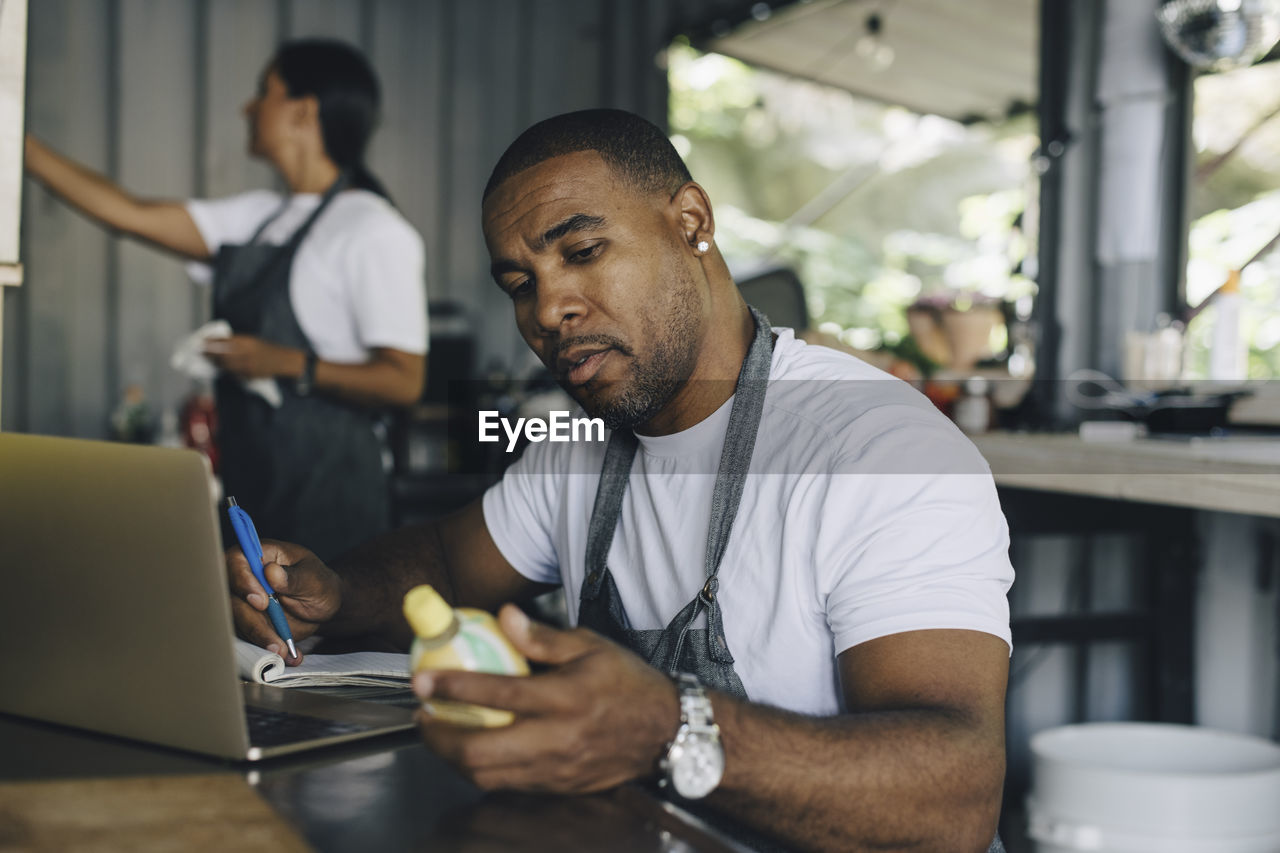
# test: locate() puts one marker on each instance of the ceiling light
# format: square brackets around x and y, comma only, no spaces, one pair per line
[1218,35]
[872,47]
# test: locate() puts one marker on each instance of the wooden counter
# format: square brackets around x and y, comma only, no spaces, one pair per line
[1240,475]
[1148,488]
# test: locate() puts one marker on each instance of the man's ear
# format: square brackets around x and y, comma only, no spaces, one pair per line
[306,112]
[697,222]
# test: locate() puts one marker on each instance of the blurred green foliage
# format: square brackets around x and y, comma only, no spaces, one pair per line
[1235,210]
[874,206]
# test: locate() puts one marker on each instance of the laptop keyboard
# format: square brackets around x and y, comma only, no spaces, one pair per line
[268,727]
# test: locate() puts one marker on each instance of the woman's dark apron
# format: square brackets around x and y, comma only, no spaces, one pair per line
[311,470]
[680,647]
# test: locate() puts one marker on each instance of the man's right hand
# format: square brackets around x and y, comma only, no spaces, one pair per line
[308,590]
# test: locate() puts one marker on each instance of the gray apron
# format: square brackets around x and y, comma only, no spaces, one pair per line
[310,471]
[680,647]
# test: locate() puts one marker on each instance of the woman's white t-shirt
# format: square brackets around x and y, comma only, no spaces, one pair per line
[866,513]
[358,279]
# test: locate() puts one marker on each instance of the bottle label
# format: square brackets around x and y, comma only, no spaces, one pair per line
[481,651]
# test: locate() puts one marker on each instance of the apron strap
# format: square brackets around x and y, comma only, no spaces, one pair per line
[290,246]
[731,478]
[266,223]
[739,444]
[340,183]
[615,472]
[735,461]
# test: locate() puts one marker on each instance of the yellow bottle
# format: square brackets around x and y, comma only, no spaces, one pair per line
[459,639]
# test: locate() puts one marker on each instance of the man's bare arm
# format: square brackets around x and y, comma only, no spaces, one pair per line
[455,554]
[917,763]
[360,594]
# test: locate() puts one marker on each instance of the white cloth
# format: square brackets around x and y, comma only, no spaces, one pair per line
[358,278]
[188,358]
[866,513]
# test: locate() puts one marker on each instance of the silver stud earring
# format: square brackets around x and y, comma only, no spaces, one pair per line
[703,247]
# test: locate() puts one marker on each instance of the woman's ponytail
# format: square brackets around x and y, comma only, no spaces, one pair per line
[364,179]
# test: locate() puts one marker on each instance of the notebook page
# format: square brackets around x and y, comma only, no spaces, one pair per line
[255,663]
[372,669]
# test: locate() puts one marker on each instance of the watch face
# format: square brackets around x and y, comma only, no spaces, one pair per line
[697,765]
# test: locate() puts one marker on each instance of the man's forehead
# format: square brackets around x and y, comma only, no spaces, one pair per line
[579,177]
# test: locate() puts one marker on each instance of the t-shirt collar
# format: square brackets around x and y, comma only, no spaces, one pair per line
[708,432]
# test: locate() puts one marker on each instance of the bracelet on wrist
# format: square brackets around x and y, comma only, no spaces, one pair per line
[305,383]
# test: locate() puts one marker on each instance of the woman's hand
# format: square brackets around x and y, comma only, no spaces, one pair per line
[390,377]
[252,358]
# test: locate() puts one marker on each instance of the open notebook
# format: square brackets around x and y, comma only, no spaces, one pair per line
[357,669]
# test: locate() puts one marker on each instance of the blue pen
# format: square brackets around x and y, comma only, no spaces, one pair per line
[252,548]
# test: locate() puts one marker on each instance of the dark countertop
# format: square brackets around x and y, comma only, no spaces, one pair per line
[387,793]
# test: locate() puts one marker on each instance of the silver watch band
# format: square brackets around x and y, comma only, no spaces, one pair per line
[695,707]
[694,763]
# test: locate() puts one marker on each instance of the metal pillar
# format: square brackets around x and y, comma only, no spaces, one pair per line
[1114,107]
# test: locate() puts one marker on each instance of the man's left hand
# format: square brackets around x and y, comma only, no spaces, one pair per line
[595,717]
[251,358]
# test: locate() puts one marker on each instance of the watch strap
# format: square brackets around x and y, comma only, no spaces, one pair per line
[695,707]
[696,734]
[303,385]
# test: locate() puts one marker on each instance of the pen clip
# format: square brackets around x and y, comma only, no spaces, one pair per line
[250,545]
[245,531]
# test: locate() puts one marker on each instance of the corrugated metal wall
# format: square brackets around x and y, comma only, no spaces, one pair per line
[149,92]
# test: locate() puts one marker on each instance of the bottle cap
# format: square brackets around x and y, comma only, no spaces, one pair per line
[427,612]
[1232,284]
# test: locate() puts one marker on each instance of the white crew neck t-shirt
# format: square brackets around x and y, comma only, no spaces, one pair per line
[358,278]
[866,513]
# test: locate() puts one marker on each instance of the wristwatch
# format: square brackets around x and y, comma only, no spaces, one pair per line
[694,763]
[303,384]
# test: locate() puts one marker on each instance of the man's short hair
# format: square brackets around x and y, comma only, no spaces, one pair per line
[636,149]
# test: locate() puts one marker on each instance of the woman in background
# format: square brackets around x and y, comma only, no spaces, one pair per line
[322,287]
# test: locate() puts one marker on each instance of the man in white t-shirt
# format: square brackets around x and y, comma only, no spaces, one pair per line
[831,547]
[793,569]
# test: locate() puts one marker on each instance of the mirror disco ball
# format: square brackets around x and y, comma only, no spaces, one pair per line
[1219,35]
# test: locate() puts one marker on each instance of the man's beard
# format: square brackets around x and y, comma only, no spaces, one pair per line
[655,379]
[652,384]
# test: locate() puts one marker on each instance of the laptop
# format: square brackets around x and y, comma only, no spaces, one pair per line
[115,614]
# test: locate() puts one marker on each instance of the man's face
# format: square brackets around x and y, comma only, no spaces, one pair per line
[601,282]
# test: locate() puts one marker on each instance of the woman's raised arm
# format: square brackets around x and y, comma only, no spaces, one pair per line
[162,223]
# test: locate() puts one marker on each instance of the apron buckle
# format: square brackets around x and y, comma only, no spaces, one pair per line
[709,588]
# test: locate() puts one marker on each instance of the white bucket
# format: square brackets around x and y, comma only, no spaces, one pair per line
[1153,788]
